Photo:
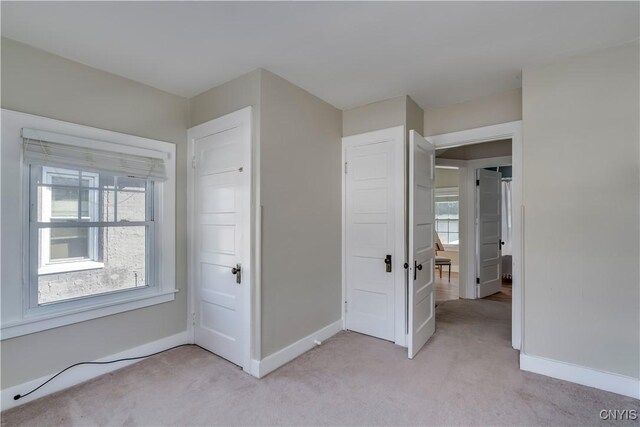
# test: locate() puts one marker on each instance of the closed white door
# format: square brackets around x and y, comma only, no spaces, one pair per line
[221,233]
[374,232]
[422,319]
[489,230]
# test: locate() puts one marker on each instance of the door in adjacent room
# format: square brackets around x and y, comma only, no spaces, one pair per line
[374,233]
[220,251]
[489,232]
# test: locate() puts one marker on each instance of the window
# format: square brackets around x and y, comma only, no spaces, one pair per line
[448,216]
[95,223]
[93,232]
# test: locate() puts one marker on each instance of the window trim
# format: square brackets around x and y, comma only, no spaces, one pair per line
[22,321]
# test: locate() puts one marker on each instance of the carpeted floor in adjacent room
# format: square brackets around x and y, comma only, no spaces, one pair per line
[466,375]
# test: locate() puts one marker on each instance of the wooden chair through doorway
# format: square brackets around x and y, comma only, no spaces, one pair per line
[440,260]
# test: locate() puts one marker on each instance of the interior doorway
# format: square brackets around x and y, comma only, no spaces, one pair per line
[478,217]
[490,211]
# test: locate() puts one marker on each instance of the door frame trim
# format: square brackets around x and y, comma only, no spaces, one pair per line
[513,131]
[250,325]
[398,135]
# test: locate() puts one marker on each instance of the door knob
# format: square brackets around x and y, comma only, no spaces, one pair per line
[416,267]
[237,271]
[387,261]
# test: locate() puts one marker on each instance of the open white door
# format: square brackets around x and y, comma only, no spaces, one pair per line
[374,236]
[489,232]
[221,236]
[422,320]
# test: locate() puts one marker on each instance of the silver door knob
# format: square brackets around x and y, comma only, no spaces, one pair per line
[237,271]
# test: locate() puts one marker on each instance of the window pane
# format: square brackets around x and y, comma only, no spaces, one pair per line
[454,238]
[64,203]
[131,199]
[131,206]
[67,244]
[453,226]
[62,177]
[118,262]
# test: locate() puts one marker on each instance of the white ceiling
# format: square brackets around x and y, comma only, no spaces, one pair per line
[348,54]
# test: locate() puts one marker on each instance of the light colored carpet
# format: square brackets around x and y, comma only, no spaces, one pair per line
[466,375]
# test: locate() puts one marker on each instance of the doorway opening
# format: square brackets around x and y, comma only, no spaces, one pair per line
[488,211]
[479,218]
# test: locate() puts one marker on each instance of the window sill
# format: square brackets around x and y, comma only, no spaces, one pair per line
[41,322]
[69,267]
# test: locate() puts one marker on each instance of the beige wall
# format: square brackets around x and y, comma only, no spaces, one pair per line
[378,115]
[401,110]
[581,197]
[43,84]
[491,110]
[398,111]
[231,96]
[414,116]
[300,138]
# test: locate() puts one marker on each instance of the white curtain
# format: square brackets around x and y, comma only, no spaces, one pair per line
[507,223]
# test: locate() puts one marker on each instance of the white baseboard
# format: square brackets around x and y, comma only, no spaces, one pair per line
[608,381]
[84,373]
[287,354]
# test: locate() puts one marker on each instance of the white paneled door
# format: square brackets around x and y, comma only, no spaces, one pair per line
[221,233]
[421,289]
[374,232]
[489,232]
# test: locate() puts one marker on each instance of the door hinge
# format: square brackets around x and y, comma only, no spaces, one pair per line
[193,318]
[345,167]
[478,280]
[193,162]
[477,182]
[345,307]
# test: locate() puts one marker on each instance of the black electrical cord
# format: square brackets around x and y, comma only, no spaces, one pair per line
[20,396]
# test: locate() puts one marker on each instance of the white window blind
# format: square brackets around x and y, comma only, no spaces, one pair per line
[51,149]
